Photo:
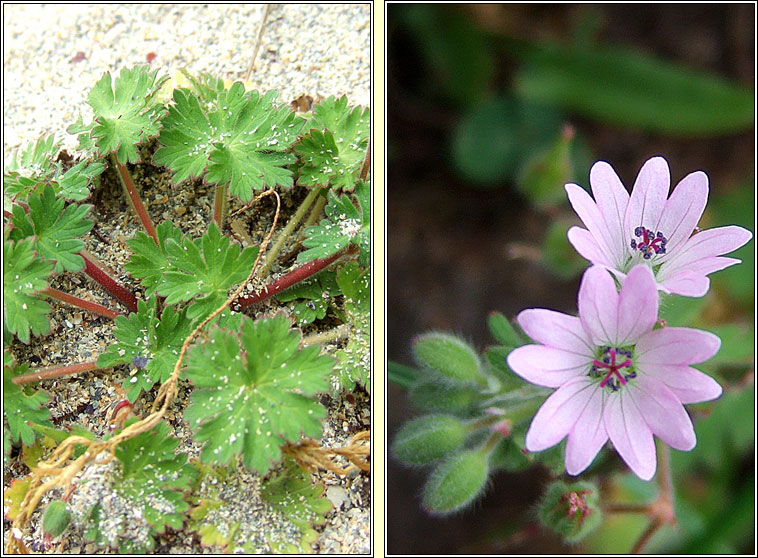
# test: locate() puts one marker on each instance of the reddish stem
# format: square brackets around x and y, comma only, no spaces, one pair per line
[294,276]
[93,307]
[107,282]
[55,372]
[139,208]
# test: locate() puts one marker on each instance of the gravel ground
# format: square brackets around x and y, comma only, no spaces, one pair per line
[318,50]
[46,81]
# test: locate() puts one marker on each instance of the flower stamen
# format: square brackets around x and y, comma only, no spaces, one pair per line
[651,243]
[614,369]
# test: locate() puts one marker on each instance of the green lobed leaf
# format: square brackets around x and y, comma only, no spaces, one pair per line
[334,150]
[37,166]
[317,292]
[637,91]
[456,482]
[428,438]
[142,493]
[345,224]
[144,335]
[125,113]
[149,260]
[354,361]
[22,405]
[74,184]
[253,391]
[239,138]
[24,274]
[31,166]
[292,494]
[56,230]
[204,269]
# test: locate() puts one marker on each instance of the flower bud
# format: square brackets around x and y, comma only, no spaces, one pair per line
[452,357]
[572,510]
[455,483]
[428,438]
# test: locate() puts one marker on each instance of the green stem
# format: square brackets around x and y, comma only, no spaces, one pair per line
[219,205]
[133,197]
[287,231]
[335,334]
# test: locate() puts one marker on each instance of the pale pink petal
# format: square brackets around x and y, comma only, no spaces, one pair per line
[598,305]
[675,345]
[685,283]
[706,244]
[547,366]
[558,330]
[630,434]
[587,436]
[558,414]
[663,412]
[590,215]
[584,243]
[709,265]
[612,199]
[648,196]
[638,305]
[688,384]
[684,209]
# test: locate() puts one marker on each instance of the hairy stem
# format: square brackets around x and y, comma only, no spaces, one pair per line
[134,199]
[339,332]
[55,372]
[219,205]
[295,276]
[95,271]
[287,231]
[93,307]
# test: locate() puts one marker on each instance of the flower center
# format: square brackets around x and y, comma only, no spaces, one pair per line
[649,243]
[615,365]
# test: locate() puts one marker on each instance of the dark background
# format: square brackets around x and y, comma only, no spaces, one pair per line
[450,243]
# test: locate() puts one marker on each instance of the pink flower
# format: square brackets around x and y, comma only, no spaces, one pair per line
[623,231]
[617,377]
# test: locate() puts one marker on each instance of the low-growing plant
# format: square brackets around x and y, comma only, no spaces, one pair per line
[255,377]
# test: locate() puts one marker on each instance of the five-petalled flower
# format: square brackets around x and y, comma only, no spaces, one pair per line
[617,376]
[646,227]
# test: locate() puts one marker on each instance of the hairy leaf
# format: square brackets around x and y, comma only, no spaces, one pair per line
[22,405]
[354,361]
[56,230]
[125,113]
[23,275]
[345,224]
[316,292]
[237,138]
[291,493]
[150,343]
[205,268]
[253,391]
[140,493]
[334,150]
[36,165]
[149,260]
